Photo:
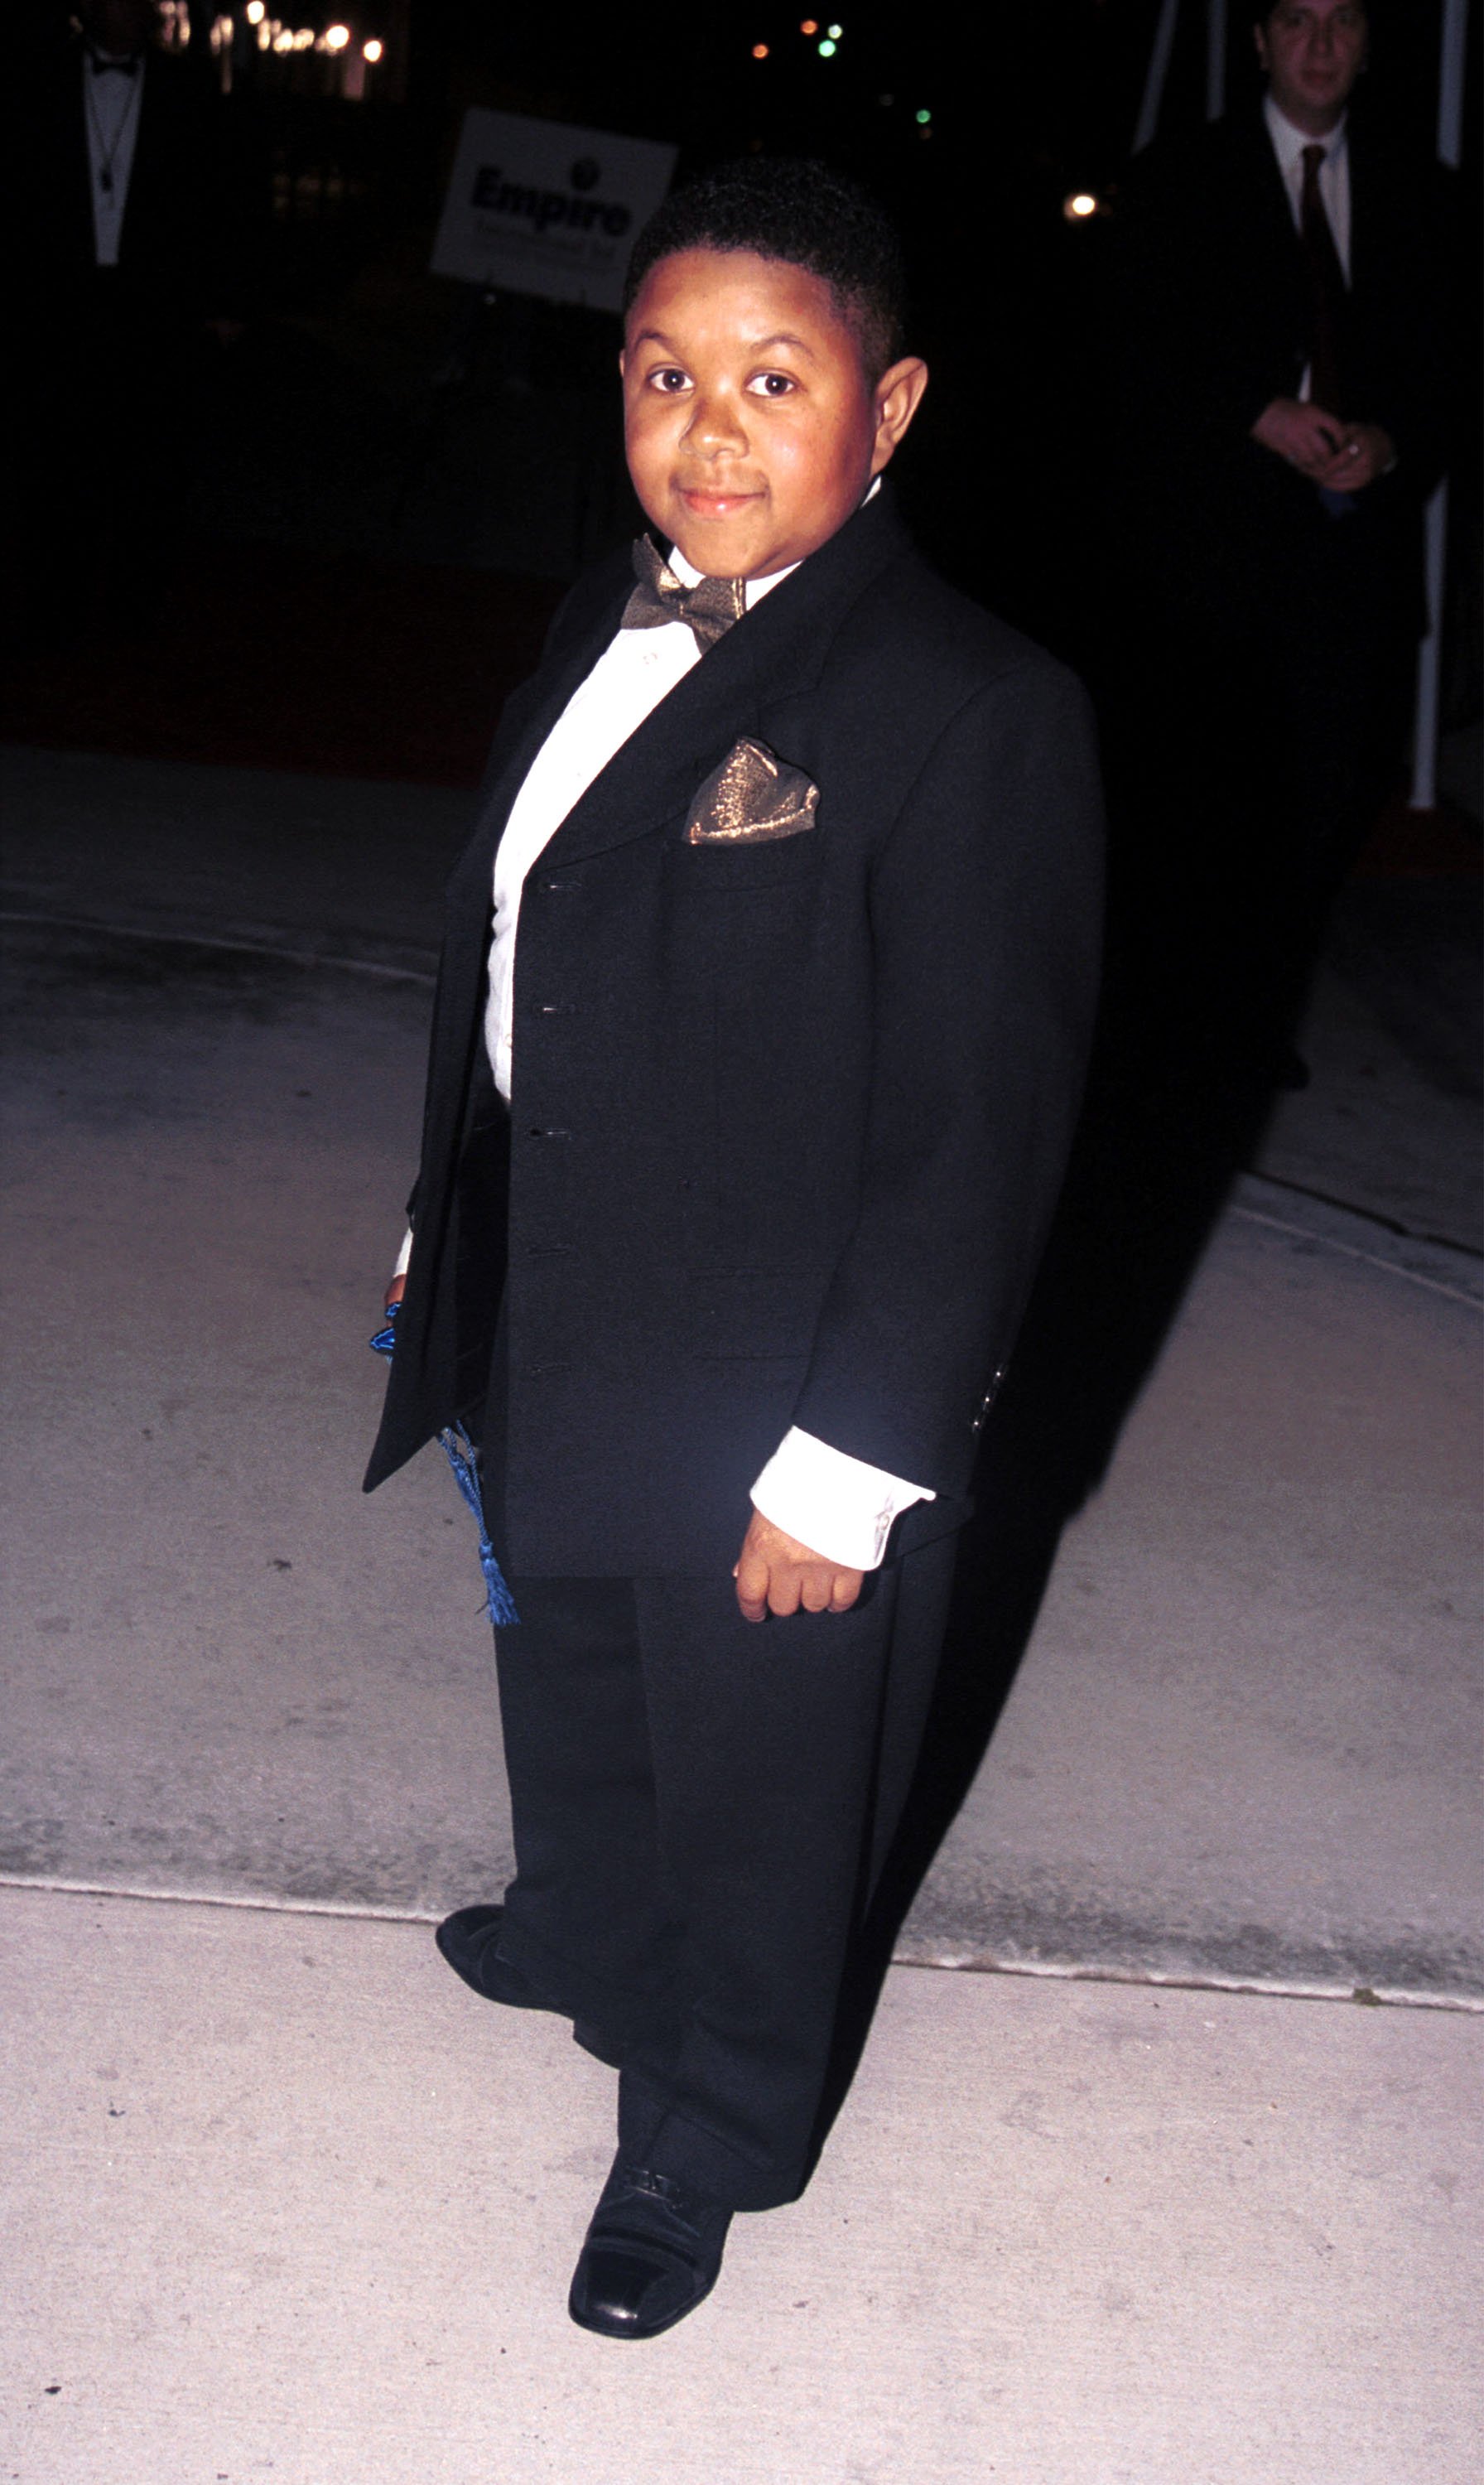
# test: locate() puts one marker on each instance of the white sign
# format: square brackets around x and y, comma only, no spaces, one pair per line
[537,207]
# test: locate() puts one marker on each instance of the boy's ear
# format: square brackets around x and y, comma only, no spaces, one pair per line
[899,392]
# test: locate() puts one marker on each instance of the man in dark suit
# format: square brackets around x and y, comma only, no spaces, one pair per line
[803,852]
[131,212]
[1280,342]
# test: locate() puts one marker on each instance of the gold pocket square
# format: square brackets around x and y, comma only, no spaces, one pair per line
[752,796]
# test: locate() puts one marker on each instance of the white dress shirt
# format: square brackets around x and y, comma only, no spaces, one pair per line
[1289,145]
[837,1505]
[111,105]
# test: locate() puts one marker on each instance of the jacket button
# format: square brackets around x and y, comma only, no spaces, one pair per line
[539,1132]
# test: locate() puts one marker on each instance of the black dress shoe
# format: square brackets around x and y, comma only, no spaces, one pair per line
[653,2252]
[470,1941]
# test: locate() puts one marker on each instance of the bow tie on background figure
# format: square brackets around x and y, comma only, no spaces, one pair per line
[708,609]
[121,69]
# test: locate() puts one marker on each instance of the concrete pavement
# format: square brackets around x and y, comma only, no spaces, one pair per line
[288,2203]
[315,2205]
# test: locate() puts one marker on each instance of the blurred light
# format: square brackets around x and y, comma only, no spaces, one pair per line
[1080,204]
[304,39]
[809,26]
[337,37]
[887,101]
[921,119]
[826,50]
[283,41]
[256,12]
[372,51]
[834,33]
[760,52]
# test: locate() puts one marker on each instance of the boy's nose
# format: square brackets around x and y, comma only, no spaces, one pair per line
[715,425]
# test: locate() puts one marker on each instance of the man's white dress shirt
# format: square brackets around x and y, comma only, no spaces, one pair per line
[1289,145]
[111,107]
[837,1505]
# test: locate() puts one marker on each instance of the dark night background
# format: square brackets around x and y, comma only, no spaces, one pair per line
[369,470]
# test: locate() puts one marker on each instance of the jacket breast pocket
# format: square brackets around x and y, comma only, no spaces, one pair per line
[734,870]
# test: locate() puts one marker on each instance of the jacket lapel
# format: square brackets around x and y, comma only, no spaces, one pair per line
[1279,234]
[783,640]
[528,718]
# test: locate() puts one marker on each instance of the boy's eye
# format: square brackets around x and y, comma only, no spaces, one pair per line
[771,384]
[668,380]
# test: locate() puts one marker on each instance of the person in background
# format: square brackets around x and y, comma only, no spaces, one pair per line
[132,209]
[1279,342]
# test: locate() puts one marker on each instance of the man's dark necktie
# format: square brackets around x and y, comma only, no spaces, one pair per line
[1327,291]
[708,609]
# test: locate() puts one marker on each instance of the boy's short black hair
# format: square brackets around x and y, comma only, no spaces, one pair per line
[786,207]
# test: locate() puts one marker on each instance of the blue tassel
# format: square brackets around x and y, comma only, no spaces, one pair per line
[463,1459]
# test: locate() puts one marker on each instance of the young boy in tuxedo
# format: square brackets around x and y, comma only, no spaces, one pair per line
[760,1028]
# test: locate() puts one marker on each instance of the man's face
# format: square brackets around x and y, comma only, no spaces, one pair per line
[751,426]
[1313,51]
[118,25]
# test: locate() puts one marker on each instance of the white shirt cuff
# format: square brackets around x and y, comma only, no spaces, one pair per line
[835,1504]
[404,1256]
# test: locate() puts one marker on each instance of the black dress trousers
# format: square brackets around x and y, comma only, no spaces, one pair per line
[701,1807]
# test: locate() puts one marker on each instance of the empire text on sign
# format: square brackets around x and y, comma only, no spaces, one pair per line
[541,207]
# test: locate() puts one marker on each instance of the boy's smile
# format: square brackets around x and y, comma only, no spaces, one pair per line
[751,424]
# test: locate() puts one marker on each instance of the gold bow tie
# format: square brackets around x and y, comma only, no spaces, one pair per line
[709,609]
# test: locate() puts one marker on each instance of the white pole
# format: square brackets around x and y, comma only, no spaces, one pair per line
[1450,81]
[1215,59]
[1423,796]
[1159,70]
[1424,737]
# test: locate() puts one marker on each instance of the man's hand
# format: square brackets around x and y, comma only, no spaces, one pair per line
[776,1574]
[1341,456]
[1303,436]
[396,1287]
[1365,453]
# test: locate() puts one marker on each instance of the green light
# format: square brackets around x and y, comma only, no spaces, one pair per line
[826,50]
[921,119]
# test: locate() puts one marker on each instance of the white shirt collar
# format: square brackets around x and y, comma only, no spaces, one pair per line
[1289,143]
[756,586]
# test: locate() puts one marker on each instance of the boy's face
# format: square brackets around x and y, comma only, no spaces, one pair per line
[751,426]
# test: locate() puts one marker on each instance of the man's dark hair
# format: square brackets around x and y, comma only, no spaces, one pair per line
[1263,12]
[786,208]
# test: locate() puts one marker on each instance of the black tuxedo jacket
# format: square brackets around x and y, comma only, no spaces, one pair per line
[788,1119]
[1212,319]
